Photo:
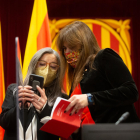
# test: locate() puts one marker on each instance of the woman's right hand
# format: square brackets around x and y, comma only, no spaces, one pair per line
[77,102]
[25,95]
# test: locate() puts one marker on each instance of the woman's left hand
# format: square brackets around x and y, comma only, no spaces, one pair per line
[77,102]
[39,101]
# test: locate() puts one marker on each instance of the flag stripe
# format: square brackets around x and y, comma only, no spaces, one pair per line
[37,30]
[34,37]
[2,84]
[1,69]
[40,11]
[97,33]
[44,32]
[105,38]
[114,43]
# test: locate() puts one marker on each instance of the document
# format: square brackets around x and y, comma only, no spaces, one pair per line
[60,123]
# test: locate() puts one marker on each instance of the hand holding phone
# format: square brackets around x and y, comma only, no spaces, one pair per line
[35,80]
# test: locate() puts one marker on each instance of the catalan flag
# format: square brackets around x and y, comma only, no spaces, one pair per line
[39,34]
[2,85]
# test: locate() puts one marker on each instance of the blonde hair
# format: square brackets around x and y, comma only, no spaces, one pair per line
[77,33]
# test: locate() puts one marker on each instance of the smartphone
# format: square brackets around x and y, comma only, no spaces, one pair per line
[35,80]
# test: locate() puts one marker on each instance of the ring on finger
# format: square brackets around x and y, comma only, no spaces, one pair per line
[39,99]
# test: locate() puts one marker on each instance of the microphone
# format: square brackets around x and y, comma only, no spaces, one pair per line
[122,118]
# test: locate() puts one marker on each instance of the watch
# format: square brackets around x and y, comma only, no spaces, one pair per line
[90,99]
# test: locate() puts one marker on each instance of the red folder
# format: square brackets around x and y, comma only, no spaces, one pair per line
[60,123]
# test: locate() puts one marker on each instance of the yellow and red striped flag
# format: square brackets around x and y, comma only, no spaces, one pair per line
[2,85]
[39,34]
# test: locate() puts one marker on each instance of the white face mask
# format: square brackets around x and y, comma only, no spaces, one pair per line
[48,74]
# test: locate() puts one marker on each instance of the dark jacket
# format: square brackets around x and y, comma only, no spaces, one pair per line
[9,122]
[112,87]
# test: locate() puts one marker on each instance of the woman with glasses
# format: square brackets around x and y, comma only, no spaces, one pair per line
[46,63]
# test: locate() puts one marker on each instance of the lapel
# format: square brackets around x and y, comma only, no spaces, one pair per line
[26,117]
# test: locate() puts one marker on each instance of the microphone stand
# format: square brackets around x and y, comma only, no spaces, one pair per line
[122,118]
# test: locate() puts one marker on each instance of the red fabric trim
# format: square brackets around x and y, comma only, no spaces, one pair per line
[86,116]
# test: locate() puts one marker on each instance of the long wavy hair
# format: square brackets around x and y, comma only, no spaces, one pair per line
[54,90]
[74,34]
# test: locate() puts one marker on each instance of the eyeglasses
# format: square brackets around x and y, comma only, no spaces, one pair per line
[43,64]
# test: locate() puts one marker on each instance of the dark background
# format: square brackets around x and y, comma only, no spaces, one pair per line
[16,14]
